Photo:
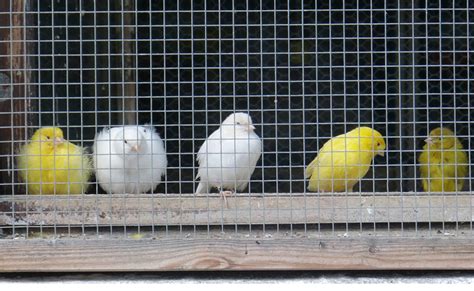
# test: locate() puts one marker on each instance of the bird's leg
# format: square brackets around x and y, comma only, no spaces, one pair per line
[224,195]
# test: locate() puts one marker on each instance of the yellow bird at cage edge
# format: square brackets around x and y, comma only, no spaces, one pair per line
[49,164]
[443,163]
[344,160]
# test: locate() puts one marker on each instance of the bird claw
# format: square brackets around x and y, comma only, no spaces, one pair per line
[224,195]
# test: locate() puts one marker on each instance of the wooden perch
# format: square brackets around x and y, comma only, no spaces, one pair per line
[175,209]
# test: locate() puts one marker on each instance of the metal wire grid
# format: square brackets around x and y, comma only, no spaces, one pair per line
[305,71]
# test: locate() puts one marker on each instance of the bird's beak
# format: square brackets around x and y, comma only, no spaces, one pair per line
[381,153]
[136,148]
[251,127]
[58,140]
[429,141]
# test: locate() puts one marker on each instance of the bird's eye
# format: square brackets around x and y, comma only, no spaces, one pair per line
[238,123]
[47,137]
[378,144]
[125,141]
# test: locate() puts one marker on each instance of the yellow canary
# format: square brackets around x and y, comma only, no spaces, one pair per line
[49,164]
[443,163]
[344,160]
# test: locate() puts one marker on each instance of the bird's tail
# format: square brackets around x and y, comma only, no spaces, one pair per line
[202,188]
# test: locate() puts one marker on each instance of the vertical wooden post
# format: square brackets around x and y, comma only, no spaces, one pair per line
[16,103]
[407,100]
[128,91]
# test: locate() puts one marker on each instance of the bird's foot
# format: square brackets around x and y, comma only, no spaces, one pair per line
[224,195]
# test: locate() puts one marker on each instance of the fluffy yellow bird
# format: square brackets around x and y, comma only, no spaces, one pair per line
[344,160]
[443,163]
[49,164]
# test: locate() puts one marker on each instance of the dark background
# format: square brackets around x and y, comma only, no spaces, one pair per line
[304,72]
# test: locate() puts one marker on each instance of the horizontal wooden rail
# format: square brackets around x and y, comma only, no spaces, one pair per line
[175,209]
[74,255]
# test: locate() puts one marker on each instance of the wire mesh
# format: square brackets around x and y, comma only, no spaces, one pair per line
[305,71]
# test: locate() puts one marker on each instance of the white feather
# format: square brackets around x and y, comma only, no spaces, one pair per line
[129,159]
[228,157]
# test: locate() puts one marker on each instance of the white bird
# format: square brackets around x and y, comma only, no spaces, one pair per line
[227,159]
[129,159]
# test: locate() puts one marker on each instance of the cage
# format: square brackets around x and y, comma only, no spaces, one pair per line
[305,71]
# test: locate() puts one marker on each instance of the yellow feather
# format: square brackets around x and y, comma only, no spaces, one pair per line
[48,164]
[443,163]
[344,160]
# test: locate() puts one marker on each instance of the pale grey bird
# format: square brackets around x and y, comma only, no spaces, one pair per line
[228,157]
[129,159]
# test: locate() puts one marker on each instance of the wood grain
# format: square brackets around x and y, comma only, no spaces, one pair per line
[16,63]
[175,209]
[211,254]
[126,88]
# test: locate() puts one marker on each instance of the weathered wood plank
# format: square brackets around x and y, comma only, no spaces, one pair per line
[175,209]
[17,82]
[126,86]
[243,254]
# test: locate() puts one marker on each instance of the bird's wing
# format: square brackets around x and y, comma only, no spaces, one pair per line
[159,152]
[311,167]
[325,154]
[219,145]
[200,157]
[208,145]
[462,163]
[454,163]
[256,149]
[252,144]
[423,161]
[462,168]
[98,138]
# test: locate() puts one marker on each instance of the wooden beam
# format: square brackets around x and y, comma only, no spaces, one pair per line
[127,104]
[77,255]
[175,209]
[17,82]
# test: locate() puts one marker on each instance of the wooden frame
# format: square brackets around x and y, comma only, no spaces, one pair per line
[236,254]
[334,239]
[15,63]
[76,233]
